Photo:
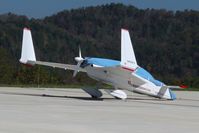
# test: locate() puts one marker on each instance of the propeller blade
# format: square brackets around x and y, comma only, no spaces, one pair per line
[80,53]
[75,73]
[79,60]
[77,69]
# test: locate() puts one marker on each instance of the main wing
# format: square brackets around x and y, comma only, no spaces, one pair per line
[28,54]
[60,65]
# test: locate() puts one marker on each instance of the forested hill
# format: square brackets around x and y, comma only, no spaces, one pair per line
[166,43]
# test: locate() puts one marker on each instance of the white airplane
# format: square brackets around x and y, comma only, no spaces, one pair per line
[122,75]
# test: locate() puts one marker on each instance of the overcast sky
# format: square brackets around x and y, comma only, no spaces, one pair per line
[42,8]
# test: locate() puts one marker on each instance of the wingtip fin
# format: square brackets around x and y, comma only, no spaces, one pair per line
[28,52]
[128,58]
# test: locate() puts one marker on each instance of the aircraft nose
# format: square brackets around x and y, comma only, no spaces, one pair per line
[172,94]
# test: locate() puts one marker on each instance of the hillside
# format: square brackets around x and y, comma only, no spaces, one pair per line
[165,43]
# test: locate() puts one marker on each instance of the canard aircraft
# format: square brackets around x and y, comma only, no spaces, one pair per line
[121,75]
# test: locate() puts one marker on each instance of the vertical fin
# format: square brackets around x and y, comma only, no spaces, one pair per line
[128,59]
[28,53]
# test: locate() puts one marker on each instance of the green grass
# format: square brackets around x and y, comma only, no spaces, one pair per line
[42,86]
[192,89]
[54,86]
[187,89]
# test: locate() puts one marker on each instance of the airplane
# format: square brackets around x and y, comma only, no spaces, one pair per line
[122,75]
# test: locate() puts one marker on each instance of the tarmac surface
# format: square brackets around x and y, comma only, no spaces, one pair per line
[52,110]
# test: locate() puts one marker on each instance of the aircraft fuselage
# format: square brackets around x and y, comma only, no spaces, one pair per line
[124,79]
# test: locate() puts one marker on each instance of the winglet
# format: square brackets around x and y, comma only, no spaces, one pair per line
[28,53]
[128,59]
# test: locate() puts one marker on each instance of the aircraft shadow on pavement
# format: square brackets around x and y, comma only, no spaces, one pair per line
[78,97]
[54,96]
